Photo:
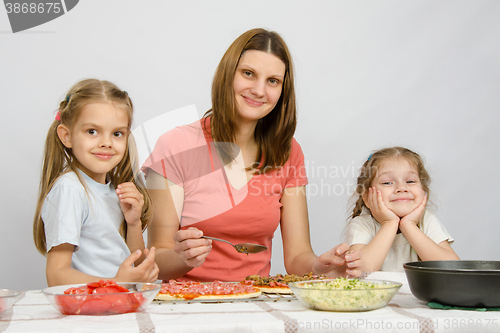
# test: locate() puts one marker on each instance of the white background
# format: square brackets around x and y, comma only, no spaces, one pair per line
[369,74]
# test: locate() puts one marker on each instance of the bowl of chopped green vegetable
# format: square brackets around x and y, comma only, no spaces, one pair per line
[345,295]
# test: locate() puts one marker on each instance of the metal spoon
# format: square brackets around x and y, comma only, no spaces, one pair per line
[243,247]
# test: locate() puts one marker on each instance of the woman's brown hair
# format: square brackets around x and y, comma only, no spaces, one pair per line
[275,131]
[59,159]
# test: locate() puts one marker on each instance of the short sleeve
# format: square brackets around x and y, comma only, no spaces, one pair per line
[360,230]
[167,158]
[434,229]
[294,168]
[63,215]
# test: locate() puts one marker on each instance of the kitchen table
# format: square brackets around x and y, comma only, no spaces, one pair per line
[404,313]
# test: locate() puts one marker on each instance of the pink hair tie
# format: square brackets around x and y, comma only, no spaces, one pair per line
[58,116]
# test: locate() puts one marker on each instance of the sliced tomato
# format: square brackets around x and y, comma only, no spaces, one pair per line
[93,285]
[120,303]
[69,305]
[74,291]
[137,300]
[106,290]
[94,306]
[105,283]
[121,289]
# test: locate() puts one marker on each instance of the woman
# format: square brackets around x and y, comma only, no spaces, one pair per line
[237,174]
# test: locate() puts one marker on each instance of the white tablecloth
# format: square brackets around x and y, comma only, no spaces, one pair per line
[404,313]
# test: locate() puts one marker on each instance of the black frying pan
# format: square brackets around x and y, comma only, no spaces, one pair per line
[456,283]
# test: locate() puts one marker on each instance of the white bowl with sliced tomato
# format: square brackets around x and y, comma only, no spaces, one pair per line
[102,297]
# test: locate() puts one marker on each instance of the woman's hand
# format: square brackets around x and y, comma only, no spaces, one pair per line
[378,208]
[339,262]
[191,248]
[131,202]
[415,216]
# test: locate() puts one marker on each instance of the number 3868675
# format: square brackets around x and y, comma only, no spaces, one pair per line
[32,7]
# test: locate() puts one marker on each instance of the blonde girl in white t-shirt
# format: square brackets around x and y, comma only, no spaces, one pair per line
[91,209]
[390,224]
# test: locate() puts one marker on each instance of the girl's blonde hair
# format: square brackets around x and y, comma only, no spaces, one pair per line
[369,171]
[59,159]
[274,132]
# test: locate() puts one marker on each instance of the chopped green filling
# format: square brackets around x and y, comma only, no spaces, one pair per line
[343,294]
[346,284]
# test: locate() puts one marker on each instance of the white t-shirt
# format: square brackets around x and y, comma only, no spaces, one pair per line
[363,228]
[90,220]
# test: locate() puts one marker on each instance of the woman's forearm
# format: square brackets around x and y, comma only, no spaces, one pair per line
[170,265]
[301,264]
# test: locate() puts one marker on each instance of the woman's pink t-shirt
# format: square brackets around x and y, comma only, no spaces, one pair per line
[186,156]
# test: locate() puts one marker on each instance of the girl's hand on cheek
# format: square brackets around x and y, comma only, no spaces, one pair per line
[416,215]
[131,202]
[378,208]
